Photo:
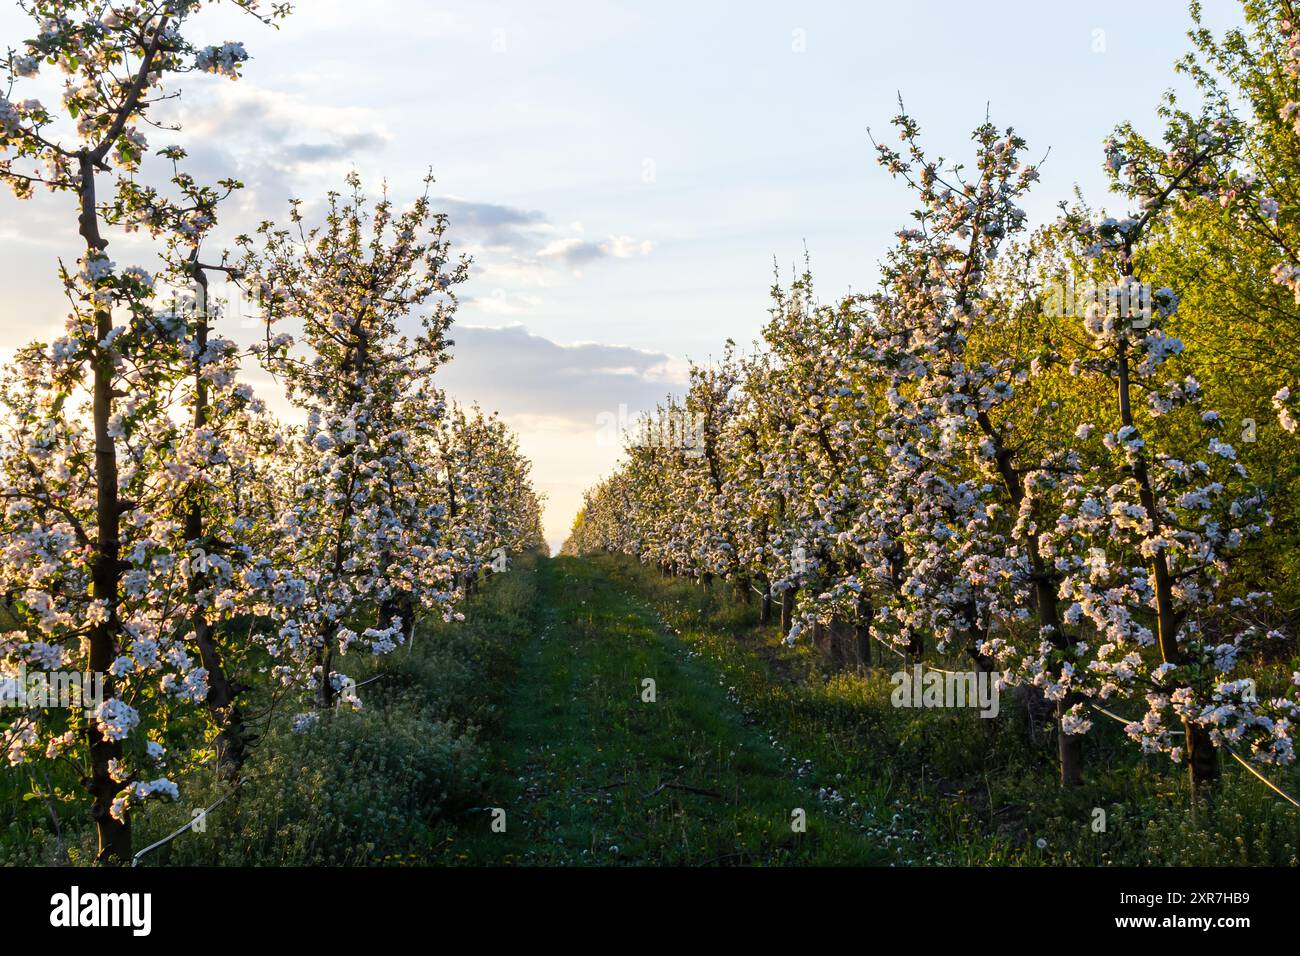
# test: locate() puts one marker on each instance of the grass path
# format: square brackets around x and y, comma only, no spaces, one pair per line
[591,773]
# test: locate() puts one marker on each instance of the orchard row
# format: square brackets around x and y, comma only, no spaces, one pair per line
[159,525]
[1094,502]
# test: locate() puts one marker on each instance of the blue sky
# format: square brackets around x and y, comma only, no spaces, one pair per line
[625,173]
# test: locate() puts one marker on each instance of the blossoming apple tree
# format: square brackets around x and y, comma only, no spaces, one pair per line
[94,556]
[914,459]
[360,380]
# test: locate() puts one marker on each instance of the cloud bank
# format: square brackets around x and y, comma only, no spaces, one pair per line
[556,397]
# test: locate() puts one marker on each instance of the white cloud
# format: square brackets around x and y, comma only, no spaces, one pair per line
[519,373]
[280,144]
[575,251]
[625,247]
[559,399]
[503,303]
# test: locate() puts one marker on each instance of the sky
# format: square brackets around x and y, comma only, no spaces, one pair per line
[626,176]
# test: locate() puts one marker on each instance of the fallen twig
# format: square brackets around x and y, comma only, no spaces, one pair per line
[674,785]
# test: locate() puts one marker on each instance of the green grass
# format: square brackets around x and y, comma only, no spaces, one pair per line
[589,772]
[947,787]
[533,706]
[379,787]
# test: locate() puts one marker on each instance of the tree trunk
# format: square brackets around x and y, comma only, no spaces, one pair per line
[863,631]
[1046,600]
[915,649]
[114,835]
[231,743]
[1038,710]
[1069,748]
[787,610]
[1202,756]
[407,605]
[1202,760]
[765,606]
[325,690]
[400,605]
